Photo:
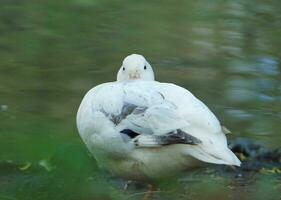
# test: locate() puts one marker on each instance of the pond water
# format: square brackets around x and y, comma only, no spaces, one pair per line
[52,52]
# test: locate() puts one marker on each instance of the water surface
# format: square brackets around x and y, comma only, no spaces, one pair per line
[51,52]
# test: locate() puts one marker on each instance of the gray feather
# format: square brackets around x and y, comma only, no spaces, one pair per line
[176,137]
[127,110]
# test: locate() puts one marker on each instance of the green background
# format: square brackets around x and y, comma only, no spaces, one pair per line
[52,52]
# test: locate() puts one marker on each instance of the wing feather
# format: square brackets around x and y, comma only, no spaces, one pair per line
[155,114]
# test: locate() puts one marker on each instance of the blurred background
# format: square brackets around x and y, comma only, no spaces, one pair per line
[52,52]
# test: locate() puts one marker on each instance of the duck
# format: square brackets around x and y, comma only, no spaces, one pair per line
[142,130]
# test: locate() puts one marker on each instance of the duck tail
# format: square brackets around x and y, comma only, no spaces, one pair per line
[216,156]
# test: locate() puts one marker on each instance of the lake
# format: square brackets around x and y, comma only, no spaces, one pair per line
[227,53]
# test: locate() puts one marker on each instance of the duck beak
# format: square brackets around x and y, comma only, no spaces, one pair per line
[134,75]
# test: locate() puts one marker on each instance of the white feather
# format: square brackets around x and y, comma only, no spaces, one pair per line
[163,108]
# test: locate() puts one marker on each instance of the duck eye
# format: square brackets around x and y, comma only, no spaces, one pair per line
[123,68]
[144,67]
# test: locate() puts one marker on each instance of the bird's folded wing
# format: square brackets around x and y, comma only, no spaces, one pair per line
[157,125]
[175,137]
[156,120]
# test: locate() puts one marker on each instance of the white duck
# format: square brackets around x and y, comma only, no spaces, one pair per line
[141,129]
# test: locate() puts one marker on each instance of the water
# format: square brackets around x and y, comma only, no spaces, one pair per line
[51,52]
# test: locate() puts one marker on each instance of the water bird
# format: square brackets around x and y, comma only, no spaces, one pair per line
[141,129]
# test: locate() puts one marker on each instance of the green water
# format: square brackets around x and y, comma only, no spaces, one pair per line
[51,52]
